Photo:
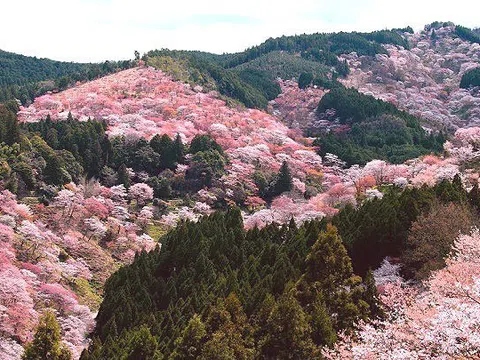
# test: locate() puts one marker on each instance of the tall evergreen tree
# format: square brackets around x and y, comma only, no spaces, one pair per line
[178,150]
[284,181]
[47,342]
[288,334]
[123,176]
[189,345]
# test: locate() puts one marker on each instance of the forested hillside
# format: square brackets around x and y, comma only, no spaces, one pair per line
[24,78]
[278,292]
[425,80]
[313,197]
[18,69]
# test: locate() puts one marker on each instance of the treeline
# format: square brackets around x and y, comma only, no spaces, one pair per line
[18,69]
[253,88]
[36,156]
[378,130]
[215,291]
[24,78]
[286,65]
[383,227]
[465,33]
[249,76]
[470,78]
[323,47]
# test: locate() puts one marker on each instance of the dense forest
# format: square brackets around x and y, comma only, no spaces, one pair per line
[19,69]
[278,292]
[323,47]
[253,88]
[467,34]
[249,76]
[377,129]
[24,78]
[36,156]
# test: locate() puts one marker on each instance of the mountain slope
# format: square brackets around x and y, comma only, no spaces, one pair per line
[57,253]
[19,69]
[24,77]
[424,80]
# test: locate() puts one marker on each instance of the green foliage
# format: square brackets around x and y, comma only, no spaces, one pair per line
[380,227]
[189,345]
[329,284]
[24,78]
[261,80]
[85,140]
[229,333]
[204,167]
[46,342]
[378,130]
[389,36]
[204,143]
[470,78]
[249,76]
[304,80]
[216,291]
[337,43]
[467,34]
[151,157]
[163,145]
[282,182]
[190,67]
[351,106]
[285,65]
[19,69]
[9,127]
[431,237]
[281,275]
[288,332]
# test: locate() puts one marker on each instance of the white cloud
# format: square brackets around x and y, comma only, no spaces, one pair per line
[95,30]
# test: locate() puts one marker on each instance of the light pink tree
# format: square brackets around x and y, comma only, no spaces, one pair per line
[440,322]
[141,193]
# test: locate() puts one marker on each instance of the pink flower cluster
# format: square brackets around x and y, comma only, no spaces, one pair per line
[441,320]
[49,255]
[424,80]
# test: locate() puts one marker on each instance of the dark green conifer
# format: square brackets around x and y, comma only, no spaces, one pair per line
[47,341]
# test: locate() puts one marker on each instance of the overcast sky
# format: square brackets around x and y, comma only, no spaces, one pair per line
[96,30]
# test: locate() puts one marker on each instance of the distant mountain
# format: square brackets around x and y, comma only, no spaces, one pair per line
[18,69]
[425,79]
[24,77]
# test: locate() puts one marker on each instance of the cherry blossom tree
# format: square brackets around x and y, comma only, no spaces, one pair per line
[440,322]
[141,193]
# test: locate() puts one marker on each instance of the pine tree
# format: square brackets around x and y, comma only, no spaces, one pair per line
[123,176]
[230,334]
[47,343]
[323,332]
[53,172]
[284,181]
[328,262]
[178,150]
[164,146]
[288,334]
[142,345]
[329,276]
[189,345]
